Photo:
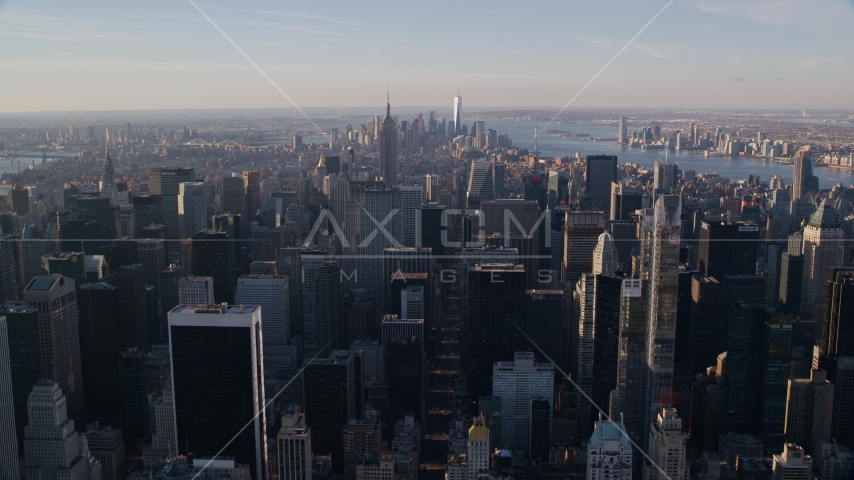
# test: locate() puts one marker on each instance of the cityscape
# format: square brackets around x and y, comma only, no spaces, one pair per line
[437,292]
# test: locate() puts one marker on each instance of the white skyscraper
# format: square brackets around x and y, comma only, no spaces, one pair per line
[192,213]
[605,255]
[194,290]
[51,445]
[516,383]
[609,452]
[458,113]
[667,448]
[792,464]
[432,183]
[478,448]
[272,294]
[163,439]
[8,439]
[293,446]
[823,250]
[663,289]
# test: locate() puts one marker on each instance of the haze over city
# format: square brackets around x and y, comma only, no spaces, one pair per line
[104,55]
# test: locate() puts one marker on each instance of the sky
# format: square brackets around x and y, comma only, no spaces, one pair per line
[134,55]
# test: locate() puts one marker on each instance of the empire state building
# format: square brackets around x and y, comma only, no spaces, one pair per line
[388,148]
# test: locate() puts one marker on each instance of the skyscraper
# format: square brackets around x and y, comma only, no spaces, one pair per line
[213,256]
[792,464]
[405,365]
[51,449]
[147,210]
[331,389]
[601,172]
[838,328]
[410,200]
[217,382]
[458,114]
[516,383]
[809,409]
[842,428]
[496,294]
[609,451]
[628,394]
[727,248]
[388,148]
[165,182]
[8,282]
[108,180]
[101,346]
[22,323]
[252,186]
[432,187]
[667,448]
[663,286]
[8,436]
[804,180]
[132,309]
[625,199]
[665,177]
[233,195]
[581,234]
[823,250]
[192,212]
[293,446]
[623,137]
[481,181]
[55,299]
[193,290]
[271,293]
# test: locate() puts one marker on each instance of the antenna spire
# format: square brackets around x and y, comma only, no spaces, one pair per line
[458,89]
[388,103]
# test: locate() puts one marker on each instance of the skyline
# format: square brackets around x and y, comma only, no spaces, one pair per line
[163,56]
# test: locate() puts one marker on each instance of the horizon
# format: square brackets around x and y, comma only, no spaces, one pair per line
[103,56]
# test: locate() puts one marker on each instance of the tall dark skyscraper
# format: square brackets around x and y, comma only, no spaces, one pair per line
[601,172]
[252,185]
[22,321]
[330,397]
[791,282]
[213,256]
[804,180]
[705,341]
[147,210]
[838,331]
[388,148]
[496,296]
[101,347]
[727,248]
[233,195]
[606,328]
[55,298]
[625,199]
[358,311]
[165,182]
[218,384]
[132,310]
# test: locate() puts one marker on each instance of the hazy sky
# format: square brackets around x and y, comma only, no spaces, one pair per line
[154,54]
